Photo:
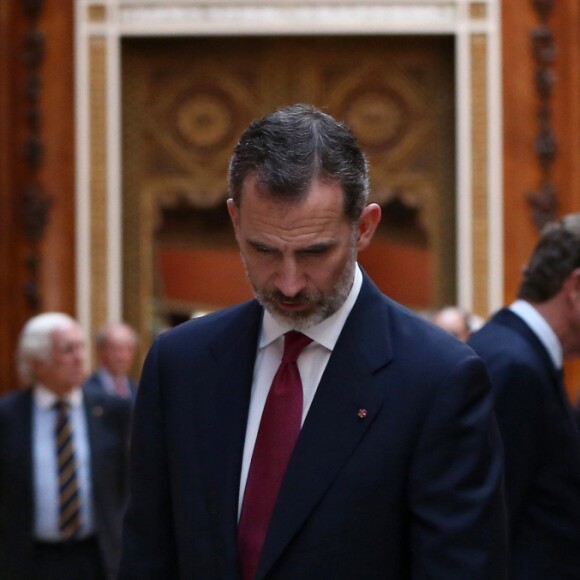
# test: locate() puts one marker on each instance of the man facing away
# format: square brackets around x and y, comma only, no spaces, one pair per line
[322,430]
[63,459]
[115,346]
[524,347]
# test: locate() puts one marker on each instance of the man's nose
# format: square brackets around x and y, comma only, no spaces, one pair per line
[290,280]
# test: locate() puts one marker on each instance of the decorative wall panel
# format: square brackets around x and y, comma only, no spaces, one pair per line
[188,100]
[98,183]
[480,167]
[193,123]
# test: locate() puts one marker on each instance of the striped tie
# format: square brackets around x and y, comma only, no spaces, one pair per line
[69,520]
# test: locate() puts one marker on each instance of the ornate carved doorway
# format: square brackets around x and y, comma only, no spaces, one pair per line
[185,103]
[164,89]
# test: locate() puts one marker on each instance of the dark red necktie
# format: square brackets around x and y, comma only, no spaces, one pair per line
[279,429]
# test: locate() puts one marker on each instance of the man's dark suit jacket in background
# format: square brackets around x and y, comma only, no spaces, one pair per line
[396,473]
[95,381]
[108,424]
[542,449]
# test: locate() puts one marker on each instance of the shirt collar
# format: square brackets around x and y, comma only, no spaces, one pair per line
[104,373]
[106,377]
[541,329]
[326,332]
[45,398]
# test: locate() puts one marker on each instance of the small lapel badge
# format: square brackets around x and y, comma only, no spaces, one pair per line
[362,413]
[97,411]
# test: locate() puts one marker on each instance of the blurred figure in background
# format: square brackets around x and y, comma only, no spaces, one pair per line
[524,347]
[455,320]
[115,347]
[63,460]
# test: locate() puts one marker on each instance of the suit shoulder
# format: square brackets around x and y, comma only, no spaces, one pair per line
[516,370]
[498,344]
[13,399]
[14,406]
[415,346]
[97,397]
[210,326]
[93,379]
[426,339]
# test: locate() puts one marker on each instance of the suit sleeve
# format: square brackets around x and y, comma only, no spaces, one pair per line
[458,527]
[149,550]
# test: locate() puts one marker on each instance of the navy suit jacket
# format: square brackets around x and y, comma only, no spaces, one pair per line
[542,449]
[412,490]
[108,426]
[95,381]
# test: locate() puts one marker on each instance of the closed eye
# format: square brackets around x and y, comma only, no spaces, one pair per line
[262,249]
[315,250]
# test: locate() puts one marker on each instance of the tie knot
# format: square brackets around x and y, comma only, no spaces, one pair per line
[61,405]
[294,343]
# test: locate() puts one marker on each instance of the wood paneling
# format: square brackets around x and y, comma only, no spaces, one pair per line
[522,172]
[54,174]
[566,26]
[58,170]
[12,173]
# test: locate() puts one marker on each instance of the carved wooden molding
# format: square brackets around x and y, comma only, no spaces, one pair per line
[35,204]
[543,200]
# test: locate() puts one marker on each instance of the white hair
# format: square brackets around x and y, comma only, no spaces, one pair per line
[35,342]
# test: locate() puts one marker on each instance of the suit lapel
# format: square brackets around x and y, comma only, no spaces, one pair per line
[93,413]
[221,422]
[24,473]
[345,405]
[507,318]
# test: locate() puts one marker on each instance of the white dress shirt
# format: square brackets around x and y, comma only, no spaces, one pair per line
[45,468]
[311,364]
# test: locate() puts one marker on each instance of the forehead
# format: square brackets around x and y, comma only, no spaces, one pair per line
[119,335]
[65,334]
[320,210]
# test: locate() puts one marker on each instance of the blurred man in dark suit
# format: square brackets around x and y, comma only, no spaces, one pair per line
[115,346]
[524,347]
[63,456]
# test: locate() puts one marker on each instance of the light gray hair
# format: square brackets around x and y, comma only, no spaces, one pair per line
[35,342]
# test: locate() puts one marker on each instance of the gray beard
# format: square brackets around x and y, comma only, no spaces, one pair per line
[326,306]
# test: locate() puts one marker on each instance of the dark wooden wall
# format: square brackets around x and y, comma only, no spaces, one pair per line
[37,149]
[36,167]
[541,128]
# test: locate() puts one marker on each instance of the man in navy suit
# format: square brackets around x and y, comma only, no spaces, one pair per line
[396,470]
[524,347]
[115,346]
[62,485]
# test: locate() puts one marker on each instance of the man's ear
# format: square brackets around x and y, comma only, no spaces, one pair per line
[234,214]
[368,222]
[572,285]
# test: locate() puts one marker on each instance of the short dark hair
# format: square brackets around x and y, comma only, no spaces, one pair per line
[288,149]
[555,257]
